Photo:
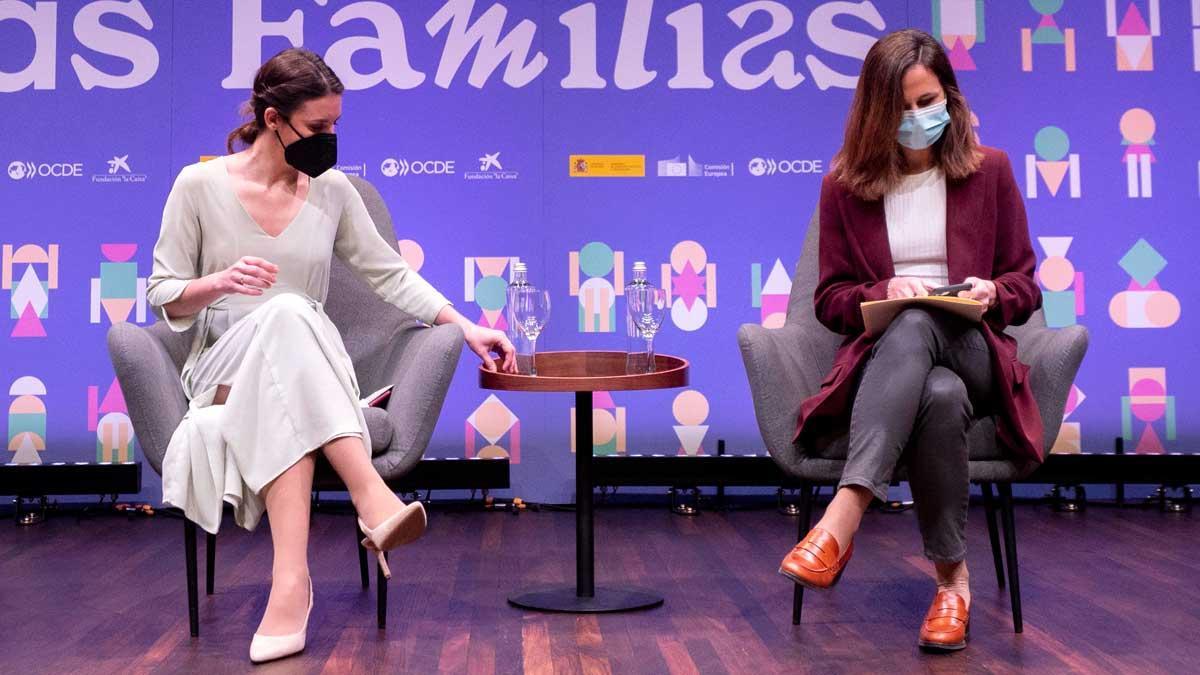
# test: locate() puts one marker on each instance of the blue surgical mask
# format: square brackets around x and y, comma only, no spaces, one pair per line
[920,129]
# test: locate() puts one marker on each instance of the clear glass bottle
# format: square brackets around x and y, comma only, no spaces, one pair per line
[519,283]
[635,353]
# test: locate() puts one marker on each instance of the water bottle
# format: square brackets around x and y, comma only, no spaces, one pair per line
[635,354]
[519,282]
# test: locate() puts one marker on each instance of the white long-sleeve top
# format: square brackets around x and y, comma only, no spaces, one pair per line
[916,224]
[205,229]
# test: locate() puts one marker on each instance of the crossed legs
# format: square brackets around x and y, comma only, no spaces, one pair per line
[288,500]
[914,403]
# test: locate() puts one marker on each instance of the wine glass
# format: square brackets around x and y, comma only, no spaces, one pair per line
[531,311]
[647,309]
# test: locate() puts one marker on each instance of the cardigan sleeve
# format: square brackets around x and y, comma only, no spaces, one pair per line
[177,251]
[1017,293]
[839,289]
[360,246]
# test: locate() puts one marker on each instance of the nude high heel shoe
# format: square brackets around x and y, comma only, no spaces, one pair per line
[403,527]
[271,647]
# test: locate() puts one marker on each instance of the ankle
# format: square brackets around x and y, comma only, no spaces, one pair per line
[290,580]
[954,585]
[960,588]
[842,531]
[955,579]
[844,513]
[376,505]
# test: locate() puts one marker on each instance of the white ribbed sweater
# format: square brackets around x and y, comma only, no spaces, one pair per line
[916,226]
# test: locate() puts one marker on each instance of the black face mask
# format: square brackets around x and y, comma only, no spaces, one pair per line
[312,155]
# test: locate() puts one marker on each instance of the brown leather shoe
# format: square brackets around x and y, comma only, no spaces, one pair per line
[814,562]
[947,623]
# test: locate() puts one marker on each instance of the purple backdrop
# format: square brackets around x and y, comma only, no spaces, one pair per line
[735,109]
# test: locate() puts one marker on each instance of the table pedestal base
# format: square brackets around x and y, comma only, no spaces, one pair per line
[605,599]
[560,369]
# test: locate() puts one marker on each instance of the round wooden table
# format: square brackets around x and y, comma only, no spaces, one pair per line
[583,373]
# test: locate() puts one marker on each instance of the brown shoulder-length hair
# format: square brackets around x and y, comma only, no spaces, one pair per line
[284,82]
[870,162]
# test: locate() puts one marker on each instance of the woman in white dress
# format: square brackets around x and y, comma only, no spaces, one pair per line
[244,254]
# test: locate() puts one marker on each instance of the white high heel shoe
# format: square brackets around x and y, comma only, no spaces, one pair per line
[404,526]
[271,647]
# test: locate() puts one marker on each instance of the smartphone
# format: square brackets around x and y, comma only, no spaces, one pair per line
[950,290]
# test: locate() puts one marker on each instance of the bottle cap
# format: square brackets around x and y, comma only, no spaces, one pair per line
[639,266]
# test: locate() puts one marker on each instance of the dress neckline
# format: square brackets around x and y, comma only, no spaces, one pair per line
[228,179]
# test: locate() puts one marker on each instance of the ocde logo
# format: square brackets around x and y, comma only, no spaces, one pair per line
[18,170]
[769,167]
[392,167]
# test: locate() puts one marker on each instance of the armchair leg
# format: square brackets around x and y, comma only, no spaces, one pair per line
[806,500]
[1010,550]
[210,563]
[189,550]
[381,595]
[989,509]
[362,556]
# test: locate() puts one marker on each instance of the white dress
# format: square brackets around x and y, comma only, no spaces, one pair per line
[293,387]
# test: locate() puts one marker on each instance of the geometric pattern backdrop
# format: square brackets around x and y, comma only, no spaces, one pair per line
[580,138]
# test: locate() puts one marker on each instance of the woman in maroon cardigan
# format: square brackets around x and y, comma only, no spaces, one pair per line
[912,203]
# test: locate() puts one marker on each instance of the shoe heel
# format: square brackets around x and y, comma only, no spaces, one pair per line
[379,554]
[387,572]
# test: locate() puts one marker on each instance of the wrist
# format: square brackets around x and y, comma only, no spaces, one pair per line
[216,283]
[450,315]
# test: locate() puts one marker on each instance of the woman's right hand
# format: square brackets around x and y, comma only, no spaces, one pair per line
[248,276]
[908,287]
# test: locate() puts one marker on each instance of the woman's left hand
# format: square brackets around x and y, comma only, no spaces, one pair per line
[982,290]
[482,341]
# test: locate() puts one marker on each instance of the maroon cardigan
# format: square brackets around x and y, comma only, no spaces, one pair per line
[986,236]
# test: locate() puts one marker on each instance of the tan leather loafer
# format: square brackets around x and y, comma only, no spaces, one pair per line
[946,623]
[815,562]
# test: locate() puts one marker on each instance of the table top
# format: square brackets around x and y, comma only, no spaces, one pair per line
[589,371]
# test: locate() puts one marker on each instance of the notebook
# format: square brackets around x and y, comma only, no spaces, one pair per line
[377,399]
[878,314]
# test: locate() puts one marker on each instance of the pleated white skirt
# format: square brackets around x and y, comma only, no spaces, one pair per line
[292,390]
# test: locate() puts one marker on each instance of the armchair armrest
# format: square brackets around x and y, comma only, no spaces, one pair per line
[784,368]
[150,383]
[1053,355]
[421,369]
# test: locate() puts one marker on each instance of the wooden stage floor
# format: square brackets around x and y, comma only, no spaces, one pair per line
[1104,591]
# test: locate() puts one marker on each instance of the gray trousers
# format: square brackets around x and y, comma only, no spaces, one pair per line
[927,376]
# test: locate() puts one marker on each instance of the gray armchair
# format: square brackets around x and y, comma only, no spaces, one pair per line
[386,346]
[786,365]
